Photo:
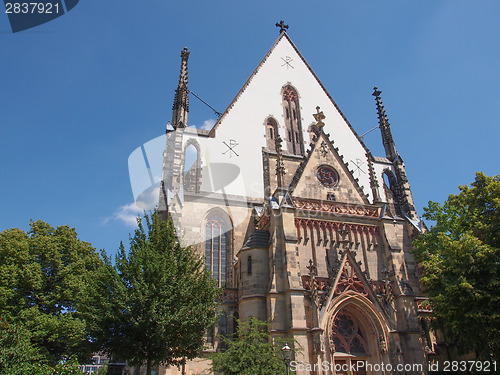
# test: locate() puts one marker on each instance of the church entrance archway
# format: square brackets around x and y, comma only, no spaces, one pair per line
[356,338]
[349,344]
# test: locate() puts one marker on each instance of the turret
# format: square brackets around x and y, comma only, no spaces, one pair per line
[171,184]
[385,127]
[181,100]
[401,189]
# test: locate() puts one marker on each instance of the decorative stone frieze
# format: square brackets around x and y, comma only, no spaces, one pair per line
[335,208]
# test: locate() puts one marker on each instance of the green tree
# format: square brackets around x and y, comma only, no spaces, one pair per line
[157,301]
[45,276]
[16,350]
[252,352]
[460,257]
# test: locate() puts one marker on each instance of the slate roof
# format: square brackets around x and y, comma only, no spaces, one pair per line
[379,159]
[259,238]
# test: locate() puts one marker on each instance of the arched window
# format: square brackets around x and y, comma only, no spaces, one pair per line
[216,247]
[291,108]
[249,265]
[271,133]
[392,192]
[192,167]
[347,336]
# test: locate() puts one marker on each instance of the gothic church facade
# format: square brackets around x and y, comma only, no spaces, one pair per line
[295,219]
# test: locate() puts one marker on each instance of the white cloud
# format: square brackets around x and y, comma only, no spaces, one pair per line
[127,214]
[208,124]
[148,199]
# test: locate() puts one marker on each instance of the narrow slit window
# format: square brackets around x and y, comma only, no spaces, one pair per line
[249,265]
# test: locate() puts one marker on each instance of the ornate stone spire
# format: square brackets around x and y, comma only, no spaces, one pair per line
[181,100]
[280,166]
[385,127]
[400,187]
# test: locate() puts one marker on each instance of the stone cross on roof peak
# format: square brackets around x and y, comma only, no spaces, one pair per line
[282,26]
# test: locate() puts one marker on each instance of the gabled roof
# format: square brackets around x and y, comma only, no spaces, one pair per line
[282,36]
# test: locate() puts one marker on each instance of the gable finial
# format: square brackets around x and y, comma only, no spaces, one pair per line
[319,116]
[385,127]
[282,26]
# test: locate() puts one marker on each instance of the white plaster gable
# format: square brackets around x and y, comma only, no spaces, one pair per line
[241,127]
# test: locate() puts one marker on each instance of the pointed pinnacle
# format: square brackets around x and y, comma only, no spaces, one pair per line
[376,92]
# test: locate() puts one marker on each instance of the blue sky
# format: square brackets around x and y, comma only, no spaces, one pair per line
[80,93]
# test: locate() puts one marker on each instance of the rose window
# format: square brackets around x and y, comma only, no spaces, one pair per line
[327,176]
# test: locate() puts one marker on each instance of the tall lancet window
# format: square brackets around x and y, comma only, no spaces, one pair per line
[291,113]
[216,246]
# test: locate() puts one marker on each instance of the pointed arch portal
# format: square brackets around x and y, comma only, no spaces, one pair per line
[355,330]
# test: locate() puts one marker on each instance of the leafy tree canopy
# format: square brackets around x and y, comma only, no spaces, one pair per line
[15,349]
[252,352]
[45,275]
[157,301]
[460,257]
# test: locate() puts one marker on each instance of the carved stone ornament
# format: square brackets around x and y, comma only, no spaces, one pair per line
[323,149]
[319,116]
[382,345]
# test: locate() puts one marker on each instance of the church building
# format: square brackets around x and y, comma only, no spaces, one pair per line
[299,223]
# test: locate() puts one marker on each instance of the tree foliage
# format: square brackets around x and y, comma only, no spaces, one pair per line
[45,275]
[460,257]
[19,357]
[252,352]
[157,301]
[16,350]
